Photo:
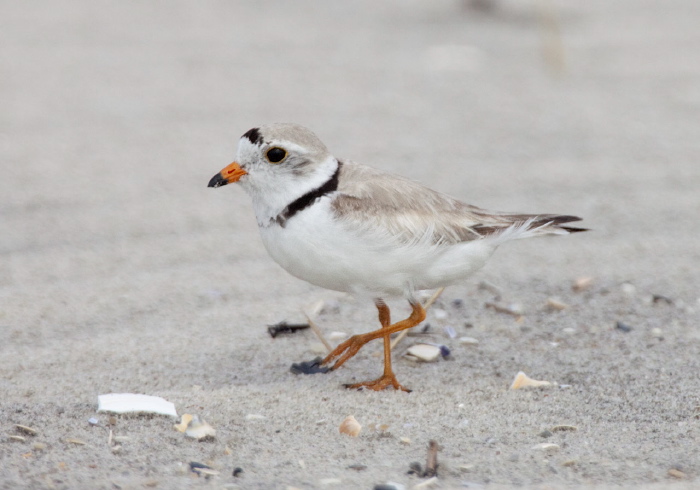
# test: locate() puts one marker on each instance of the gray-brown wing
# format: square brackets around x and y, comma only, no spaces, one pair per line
[374,200]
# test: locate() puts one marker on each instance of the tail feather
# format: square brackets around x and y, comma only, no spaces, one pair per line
[527,225]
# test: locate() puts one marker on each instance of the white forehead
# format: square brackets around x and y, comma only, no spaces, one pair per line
[292,137]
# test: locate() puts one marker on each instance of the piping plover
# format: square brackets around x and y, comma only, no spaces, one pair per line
[347,227]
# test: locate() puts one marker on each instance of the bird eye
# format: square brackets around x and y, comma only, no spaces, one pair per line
[276,154]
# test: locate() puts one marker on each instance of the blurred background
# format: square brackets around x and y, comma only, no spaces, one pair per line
[116,114]
[120,271]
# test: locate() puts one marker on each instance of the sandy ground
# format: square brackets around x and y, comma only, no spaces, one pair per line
[120,271]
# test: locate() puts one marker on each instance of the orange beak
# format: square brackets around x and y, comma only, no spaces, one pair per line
[230,174]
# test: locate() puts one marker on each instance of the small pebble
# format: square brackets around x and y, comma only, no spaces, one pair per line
[468,341]
[657,333]
[623,327]
[628,288]
[39,446]
[568,330]
[77,442]
[254,416]
[658,298]
[570,462]
[546,433]
[357,467]
[439,314]
[564,428]
[93,421]
[675,473]
[405,440]
[556,304]
[237,472]
[457,303]
[337,336]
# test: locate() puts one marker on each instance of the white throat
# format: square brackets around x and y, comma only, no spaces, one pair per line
[277,191]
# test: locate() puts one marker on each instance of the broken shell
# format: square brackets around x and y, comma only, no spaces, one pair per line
[199,429]
[546,446]
[337,336]
[675,473]
[184,422]
[132,403]
[350,426]
[17,438]
[77,442]
[39,446]
[513,309]
[423,352]
[522,380]
[26,430]
[429,483]
[202,469]
[582,283]
[405,440]
[555,304]
[468,341]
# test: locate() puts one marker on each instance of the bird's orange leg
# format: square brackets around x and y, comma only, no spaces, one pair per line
[351,346]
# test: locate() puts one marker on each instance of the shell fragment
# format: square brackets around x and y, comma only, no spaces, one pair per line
[522,380]
[133,403]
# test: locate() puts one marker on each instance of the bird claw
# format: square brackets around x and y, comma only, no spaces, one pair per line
[379,384]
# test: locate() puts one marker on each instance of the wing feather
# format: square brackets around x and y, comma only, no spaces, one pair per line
[375,201]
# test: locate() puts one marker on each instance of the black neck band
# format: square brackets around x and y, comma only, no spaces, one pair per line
[309,198]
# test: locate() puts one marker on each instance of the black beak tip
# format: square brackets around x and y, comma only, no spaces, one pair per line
[217,181]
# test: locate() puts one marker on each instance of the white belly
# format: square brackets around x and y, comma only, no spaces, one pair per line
[322,251]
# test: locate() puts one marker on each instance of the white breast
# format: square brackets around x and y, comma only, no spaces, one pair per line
[319,249]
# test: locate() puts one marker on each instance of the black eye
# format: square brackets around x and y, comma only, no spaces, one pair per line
[276,155]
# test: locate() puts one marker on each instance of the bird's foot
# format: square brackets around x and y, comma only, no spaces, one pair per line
[346,350]
[379,384]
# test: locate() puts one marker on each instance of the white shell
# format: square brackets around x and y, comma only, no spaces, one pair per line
[423,352]
[199,429]
[582,283]
[132,403]
[522,380]
[546,446]
[468,341]
[350,426]
[337,336]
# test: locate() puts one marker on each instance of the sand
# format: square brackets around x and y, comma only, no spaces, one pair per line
[120,271]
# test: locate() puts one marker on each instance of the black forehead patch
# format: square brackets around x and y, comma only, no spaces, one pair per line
[253,136]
